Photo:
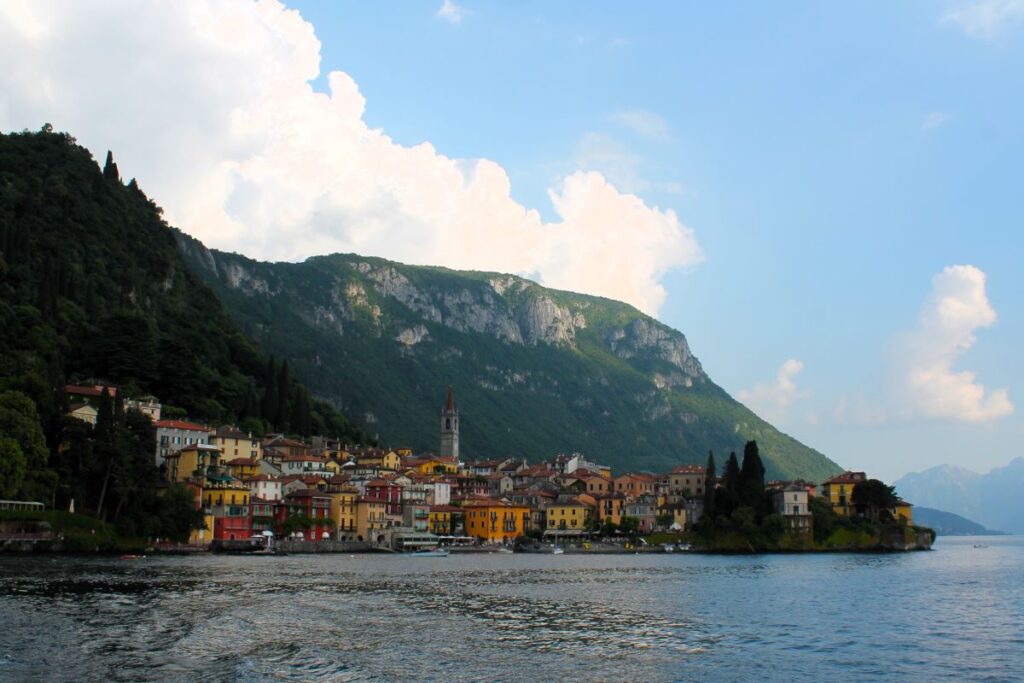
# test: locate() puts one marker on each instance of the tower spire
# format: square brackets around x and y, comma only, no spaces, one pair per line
[450,427]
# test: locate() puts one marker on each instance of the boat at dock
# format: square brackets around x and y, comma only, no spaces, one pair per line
[436,552]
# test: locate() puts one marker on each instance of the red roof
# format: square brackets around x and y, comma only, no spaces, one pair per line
[180,424]
[450,405]
[847,477]
[688,469]
[241,461]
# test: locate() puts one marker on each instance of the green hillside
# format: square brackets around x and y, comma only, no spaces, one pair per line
[536,371]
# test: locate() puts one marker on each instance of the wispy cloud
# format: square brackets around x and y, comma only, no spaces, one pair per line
[985,19]
[773,400]
[641,121]
[602,153]
[451,12]
[934,120]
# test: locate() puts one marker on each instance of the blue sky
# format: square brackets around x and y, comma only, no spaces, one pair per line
[831,159]
[828,194]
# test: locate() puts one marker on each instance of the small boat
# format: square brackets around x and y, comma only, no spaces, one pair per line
[436,552]
[558,551]
[132,557]
[980,545]
[504,551]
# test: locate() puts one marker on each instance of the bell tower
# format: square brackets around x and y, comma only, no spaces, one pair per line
[450,428]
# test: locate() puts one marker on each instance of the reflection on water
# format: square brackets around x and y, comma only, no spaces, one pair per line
[952,614]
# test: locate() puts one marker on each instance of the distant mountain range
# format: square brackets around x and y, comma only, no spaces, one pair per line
[949,524]
[994,500]
[536,371]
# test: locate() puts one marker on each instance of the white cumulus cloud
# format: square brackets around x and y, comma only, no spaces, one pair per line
[955,309]
[772,401]
[985,18]
[210,105]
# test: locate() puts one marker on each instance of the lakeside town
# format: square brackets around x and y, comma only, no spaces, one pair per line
[320,494]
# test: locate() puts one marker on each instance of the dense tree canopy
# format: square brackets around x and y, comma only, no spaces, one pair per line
[93,289]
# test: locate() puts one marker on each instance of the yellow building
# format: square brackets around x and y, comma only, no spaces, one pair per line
[234,443]
[495,521]
[192,461]
[343,510]
[430,465]
[226,494]
[676,510]
[243,468]
[903,512]
[377,457]
[610,506]
[371,519]
[567,516]
[205,535]
[443,519]
[838,491]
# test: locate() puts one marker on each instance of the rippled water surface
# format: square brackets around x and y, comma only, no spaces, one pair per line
[956,613]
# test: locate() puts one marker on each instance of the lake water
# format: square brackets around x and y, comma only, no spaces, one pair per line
[955,614]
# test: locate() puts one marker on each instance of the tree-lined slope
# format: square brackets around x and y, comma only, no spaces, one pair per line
[92,286]
[537,371]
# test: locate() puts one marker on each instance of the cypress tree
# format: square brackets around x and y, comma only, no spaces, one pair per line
[110,168]
[270,403]
[731,476]
[251,403]
[300,418]
[751,476]
[283,394]
[710,484]
[105,416]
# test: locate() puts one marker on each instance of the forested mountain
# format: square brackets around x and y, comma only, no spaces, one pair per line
[537,371]
[92,287]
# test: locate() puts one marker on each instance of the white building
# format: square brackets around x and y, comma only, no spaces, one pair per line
[792,504]
[173,435]
[266,487]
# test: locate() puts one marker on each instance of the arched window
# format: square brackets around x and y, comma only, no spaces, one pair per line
[448,423]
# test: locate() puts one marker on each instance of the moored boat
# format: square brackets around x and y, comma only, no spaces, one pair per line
[436,552]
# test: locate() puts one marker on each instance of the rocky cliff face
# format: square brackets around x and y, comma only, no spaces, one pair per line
[537,370]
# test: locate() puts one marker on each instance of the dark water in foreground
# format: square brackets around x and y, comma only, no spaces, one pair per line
[953,614]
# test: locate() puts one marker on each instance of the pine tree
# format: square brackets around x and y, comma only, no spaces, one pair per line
[110,168]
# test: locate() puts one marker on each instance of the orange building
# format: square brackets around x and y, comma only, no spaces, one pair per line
[495,521]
